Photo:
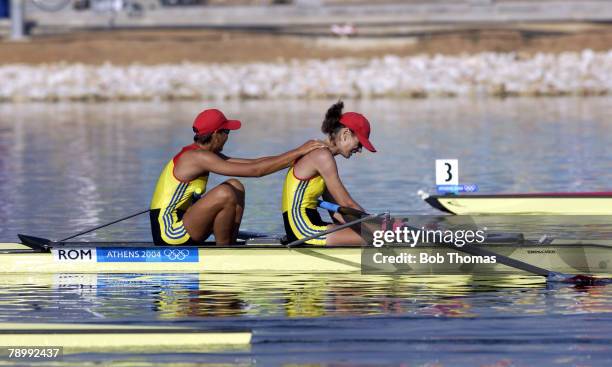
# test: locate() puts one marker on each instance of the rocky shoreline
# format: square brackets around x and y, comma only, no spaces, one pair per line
[482,74]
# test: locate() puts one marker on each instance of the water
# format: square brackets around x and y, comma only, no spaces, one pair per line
[70,166]
[65,167]
[334,319]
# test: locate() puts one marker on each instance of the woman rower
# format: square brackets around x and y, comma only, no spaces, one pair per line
[175,218]
[315,175]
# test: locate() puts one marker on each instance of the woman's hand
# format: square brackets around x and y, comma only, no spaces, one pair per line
[311,145]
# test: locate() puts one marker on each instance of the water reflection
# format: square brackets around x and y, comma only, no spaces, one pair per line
[331,318]
[174,297]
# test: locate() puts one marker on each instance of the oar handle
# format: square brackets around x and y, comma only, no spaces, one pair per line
[340,209]
[335,208]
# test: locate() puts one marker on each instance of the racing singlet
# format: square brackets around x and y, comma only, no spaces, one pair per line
[170,200]
[299,207]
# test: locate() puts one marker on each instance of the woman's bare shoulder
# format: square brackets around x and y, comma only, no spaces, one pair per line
[314,161]
[319,155]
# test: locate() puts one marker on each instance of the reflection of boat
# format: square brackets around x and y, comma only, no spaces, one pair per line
[583,203]
[267,255]
[205,295]
[121,337]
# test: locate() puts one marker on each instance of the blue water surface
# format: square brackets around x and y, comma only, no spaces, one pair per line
[65,167]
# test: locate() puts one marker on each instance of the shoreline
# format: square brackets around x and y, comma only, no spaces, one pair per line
[586,73]
[560,60]
[155,47]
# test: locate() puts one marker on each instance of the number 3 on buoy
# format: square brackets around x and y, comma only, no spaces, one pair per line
[447,172]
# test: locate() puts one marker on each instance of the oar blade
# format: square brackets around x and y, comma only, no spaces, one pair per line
[35,243]
[580,279]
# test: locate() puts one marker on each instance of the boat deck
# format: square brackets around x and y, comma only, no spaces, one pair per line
[269,255]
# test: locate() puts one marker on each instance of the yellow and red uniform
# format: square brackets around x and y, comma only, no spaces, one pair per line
[299,207]
[170,200]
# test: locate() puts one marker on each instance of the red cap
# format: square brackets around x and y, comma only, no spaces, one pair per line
[360,126]
[209,121]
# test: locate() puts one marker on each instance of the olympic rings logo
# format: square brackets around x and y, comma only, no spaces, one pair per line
[176,254]
[470,188]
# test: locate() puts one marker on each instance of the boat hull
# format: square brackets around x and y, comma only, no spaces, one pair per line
[567,257]
[537,204]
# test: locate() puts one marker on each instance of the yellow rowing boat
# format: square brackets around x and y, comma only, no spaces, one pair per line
[268,255]
[585,203]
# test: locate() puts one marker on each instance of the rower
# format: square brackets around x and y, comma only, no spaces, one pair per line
[315,175]
[175,218]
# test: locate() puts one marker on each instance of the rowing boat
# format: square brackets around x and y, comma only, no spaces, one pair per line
[34,255]
[120,337]
[583,203]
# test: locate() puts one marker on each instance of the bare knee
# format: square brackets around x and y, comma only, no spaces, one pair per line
[236,184]
[226,194]
[238,189]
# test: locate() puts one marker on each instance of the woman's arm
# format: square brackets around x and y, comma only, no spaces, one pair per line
[241,160]
[326,166]
[335,216]
[195,163]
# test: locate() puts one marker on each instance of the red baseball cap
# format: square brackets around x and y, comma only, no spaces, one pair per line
[360,126]
[209,121]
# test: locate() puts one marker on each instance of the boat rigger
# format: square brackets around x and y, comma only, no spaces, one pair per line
[35,255]
[584,203]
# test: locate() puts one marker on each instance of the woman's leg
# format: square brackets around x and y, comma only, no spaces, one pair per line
[240,193]
[219,211]
[344,237]
[357,235]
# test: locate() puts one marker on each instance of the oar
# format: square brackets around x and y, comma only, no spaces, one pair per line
[340,209]
[104,225]
[551,276]
[243,235]
[337,209]
[196,196]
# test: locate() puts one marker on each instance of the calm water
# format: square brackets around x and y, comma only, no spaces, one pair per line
[65,167]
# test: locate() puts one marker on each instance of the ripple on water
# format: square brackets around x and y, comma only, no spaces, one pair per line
[557,144]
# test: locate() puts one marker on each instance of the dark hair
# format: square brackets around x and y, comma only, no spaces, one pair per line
[203,138]
[331,125]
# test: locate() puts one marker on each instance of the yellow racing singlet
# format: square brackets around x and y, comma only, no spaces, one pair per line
[170,200]
[299,207]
